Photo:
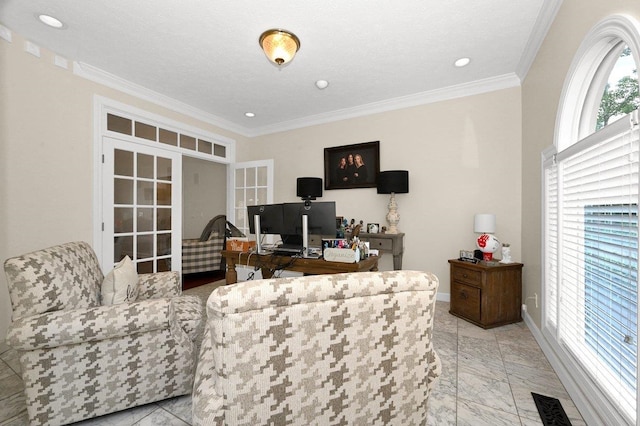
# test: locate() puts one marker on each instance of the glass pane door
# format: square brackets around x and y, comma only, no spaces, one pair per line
[141,207]
[253,185]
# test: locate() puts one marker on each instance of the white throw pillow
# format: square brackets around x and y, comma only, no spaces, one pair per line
[121,284]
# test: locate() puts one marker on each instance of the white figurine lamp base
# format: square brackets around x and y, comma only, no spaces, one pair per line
[393,217]
[487,244]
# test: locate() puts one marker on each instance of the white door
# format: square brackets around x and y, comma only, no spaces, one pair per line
[141,210]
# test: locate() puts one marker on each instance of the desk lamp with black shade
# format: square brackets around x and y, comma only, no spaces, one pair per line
[308,188]
[393,182]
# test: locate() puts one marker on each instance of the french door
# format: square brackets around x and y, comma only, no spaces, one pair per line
[141,206]
[252,184]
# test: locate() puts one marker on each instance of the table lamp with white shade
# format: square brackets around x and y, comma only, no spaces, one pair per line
[485,225]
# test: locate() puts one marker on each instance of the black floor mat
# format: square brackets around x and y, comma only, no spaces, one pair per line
[551,411]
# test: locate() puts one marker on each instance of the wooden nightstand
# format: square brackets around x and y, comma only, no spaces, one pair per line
[486,295]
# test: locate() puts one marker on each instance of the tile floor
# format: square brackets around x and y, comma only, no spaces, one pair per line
[488,375]
[487,379]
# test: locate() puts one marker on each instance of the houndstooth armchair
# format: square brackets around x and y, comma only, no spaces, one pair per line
[325,349]
[79,359]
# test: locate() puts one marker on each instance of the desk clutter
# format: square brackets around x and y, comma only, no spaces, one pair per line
[344,250]
[240,244]
[333,250]
[341,255]
[272,264]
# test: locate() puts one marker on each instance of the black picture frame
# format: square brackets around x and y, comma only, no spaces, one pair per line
[336,177]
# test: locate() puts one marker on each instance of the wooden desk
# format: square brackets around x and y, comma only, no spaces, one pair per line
[270,263]
[386,243]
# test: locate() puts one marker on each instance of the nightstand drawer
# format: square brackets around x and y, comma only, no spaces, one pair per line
[465,301]
[380,244]
[467,276]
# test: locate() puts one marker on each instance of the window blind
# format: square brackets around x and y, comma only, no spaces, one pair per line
[591,257]
[551,241]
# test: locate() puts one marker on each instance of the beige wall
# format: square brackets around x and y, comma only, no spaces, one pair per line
[463,157]
[46,143]
[541,92]
[204,194]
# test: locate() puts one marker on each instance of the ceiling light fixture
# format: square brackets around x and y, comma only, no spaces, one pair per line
[462,62]
[280,46]
[249,114]
[50,21]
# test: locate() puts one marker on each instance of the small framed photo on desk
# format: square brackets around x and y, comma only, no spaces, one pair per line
[373,228]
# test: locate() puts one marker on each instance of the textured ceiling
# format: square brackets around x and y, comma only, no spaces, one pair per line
[376,54]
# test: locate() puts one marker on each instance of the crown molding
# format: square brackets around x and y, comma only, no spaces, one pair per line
[104,78]
[447,93]
[452,92]
[546,16]
[5,34]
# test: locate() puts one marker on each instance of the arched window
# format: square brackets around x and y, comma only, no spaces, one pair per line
[590,238]
[620,95]
[597,59]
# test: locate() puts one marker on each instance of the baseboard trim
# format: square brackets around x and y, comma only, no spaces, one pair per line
[443,297]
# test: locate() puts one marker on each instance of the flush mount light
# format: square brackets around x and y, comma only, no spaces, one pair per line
[249,114]
[462,62]
[50,21]
[280,46]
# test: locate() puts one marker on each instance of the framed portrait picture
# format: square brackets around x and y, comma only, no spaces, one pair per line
[352,166]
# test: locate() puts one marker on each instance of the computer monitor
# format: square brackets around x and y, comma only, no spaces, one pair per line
[271,218]
[321,220]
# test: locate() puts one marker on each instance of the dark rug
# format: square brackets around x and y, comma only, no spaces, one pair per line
[550,410]
[201,278]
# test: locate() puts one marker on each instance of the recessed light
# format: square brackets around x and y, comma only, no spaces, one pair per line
[50,21]
[322,84]
[462,62]
[249,114]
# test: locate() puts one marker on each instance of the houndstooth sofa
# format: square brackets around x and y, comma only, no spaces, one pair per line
[79,359]
[323,350]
